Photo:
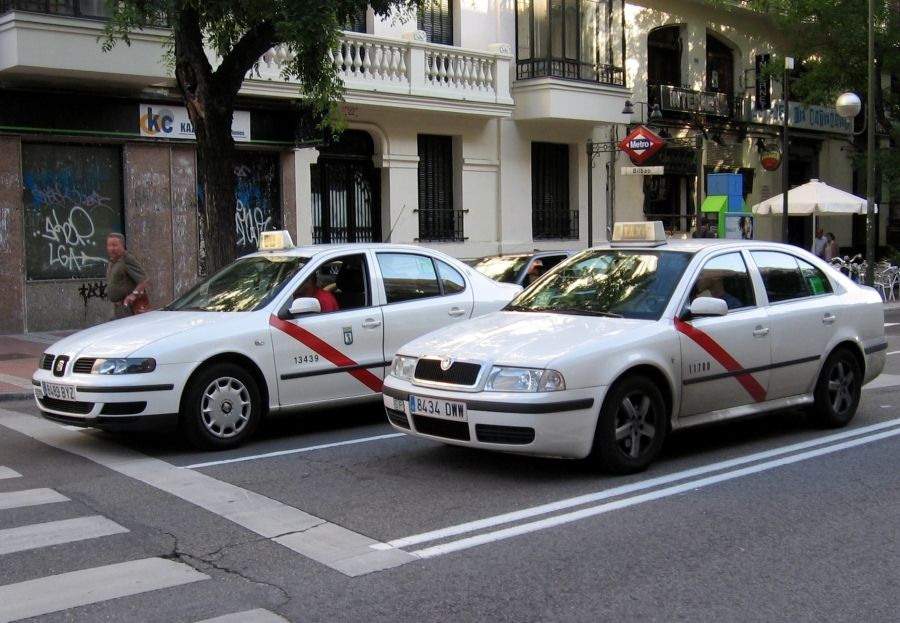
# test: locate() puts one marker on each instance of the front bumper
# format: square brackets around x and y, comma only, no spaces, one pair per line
[140,402]
[557,424]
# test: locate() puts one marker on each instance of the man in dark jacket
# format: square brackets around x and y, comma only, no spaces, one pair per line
[126,279]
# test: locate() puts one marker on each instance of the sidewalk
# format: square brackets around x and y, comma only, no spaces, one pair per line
[19,355]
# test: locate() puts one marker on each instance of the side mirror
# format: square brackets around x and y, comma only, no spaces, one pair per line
[300,306]
[707,306]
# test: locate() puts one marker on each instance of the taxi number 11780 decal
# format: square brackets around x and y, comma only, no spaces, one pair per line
[300,359]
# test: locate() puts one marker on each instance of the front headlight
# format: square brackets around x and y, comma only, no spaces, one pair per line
[524,380]
[123,366]
[404,367]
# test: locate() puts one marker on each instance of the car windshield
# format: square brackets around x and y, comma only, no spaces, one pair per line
[502,267]
[246,285]
[608,282]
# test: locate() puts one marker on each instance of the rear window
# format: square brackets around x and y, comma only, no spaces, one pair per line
[787,277]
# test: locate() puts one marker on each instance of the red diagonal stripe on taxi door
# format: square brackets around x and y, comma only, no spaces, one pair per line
[326,350]
[704,341]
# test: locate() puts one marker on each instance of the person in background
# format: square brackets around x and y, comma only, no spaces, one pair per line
[310,288]
[705,229]
[126,279]
[819,244]
[832,250]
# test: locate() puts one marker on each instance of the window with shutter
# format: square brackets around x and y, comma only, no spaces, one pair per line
[436,19]
[438,221]
[551,216]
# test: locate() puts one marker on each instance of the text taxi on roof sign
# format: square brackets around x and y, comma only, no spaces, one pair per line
[624,342]
[253,340]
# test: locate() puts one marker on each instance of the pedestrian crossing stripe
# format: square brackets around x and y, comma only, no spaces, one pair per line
[56,533]
[54,593]
[6,472]
[30,497]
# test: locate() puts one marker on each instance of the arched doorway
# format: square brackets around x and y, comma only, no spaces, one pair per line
[346,195]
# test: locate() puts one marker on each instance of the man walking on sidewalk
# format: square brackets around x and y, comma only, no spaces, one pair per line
[126,279]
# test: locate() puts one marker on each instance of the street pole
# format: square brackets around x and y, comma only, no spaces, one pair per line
[785,155]
[590,191]
[870,154]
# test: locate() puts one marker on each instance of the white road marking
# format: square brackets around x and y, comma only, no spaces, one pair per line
[883,380]
[88,586]
[692,485]
[30,497]
[544,509]
[56,532]
[269,455]
[332,545]
[894,352]
[259,615]
[6,472]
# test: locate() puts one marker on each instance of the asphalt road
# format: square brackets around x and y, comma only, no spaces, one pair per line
[335,517]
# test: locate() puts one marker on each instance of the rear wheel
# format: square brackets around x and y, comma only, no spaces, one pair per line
[221,408]
[838,390]
[631,427]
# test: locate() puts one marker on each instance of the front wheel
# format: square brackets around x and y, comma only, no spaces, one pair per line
[838,390]
[221,408]
[631,426]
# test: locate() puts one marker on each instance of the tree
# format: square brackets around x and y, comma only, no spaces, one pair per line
[829,38]
[240,32]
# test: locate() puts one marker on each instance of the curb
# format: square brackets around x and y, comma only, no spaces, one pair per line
[13,396]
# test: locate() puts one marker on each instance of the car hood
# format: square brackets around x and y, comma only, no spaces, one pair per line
[525,338]
[122,338]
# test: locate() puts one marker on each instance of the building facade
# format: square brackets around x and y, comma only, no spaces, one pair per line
[479,127]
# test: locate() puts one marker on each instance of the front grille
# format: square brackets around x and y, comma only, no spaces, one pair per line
[518,435]
[441,428]
[67,406]
[397,418]
[84,365]
[123,408]
[459,372]
[47,362]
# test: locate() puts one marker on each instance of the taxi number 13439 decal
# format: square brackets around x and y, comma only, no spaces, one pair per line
[300,359]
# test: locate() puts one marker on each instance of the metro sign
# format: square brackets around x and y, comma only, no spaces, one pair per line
[641,144]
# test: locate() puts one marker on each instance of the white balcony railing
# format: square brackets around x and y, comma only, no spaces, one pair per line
[408,66]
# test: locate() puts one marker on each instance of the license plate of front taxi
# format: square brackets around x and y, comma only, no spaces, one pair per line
[58,391]
[434,407]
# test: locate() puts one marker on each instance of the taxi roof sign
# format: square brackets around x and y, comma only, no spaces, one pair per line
[275,240]
[651,232]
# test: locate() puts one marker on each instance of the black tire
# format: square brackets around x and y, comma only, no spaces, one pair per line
[631,427]
[837,390]
[221,407]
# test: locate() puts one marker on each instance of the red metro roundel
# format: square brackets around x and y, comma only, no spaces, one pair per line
[641,144]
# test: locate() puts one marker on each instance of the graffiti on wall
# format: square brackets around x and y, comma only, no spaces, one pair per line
[93,290]
[257,202]
[72,199]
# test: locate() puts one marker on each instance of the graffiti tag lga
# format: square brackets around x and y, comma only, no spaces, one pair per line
[70,238]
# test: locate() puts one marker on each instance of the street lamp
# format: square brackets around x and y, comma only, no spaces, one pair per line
[785,182]
[848,106]
[655,111]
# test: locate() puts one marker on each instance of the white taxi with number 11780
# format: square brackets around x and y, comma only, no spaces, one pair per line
[620,344]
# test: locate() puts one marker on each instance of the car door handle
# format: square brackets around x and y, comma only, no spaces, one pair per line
[456,312]
[371,323]
[828,319]
[760,331]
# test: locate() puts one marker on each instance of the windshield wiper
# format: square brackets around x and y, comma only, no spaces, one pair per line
[586,312]
[519,308]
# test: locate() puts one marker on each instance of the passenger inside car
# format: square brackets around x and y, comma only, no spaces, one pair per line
[710,283]
[310,288]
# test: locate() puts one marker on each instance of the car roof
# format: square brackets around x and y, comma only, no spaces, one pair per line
[693,245]
[313,250]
